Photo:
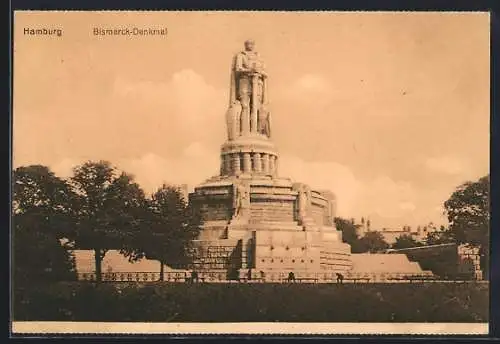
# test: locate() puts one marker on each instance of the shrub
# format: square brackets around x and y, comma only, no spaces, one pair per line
[240,302]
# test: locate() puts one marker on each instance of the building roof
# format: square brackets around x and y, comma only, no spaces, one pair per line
[383,263]
[420,248]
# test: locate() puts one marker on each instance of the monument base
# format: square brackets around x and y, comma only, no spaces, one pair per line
[271,237]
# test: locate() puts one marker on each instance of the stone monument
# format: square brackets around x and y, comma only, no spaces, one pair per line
[255,222]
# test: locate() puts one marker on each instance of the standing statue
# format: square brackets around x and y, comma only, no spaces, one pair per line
[248,98]
[303,200]
[241,200]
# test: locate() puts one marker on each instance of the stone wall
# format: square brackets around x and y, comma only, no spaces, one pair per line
[214,210]
[318,214]
[273,210]
[335,260]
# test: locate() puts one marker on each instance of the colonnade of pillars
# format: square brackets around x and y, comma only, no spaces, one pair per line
[259,163]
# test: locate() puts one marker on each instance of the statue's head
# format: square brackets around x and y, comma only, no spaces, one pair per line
[249,45]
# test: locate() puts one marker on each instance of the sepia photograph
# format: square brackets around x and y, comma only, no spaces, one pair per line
[250,172]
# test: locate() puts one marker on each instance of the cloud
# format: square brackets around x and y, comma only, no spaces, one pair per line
[311,87]
[64,168]
[385,201]
[186,102]
[312,83]
[194,165]
[409,206]
[324,175]
[386,198]
[193,112]
[446,165]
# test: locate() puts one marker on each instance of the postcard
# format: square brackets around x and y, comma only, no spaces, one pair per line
[220,172]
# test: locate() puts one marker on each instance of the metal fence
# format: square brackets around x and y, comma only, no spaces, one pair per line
[219,277]
[135,276]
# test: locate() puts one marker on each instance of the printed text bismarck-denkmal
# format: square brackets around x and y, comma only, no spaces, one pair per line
[129,31]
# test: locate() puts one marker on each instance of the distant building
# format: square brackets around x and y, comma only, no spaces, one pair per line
[390,234]
[185,192]
[363,226]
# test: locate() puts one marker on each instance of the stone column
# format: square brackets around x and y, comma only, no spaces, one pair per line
[271,164]
[222,166]
[236,163]
[257,162]
[265,163]
[227,164]
[247,163]
[275,170]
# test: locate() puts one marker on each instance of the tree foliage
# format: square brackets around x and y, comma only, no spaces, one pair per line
[405,241]
[98,208]
[39,257]
[170,226]
[372,242]
[42,220]
[468,212]
[109,208]
[349,230]
[443,236]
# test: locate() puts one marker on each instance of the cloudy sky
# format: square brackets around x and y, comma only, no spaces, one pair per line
[388,110]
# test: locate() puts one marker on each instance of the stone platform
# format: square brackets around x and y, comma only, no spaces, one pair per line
[275,234]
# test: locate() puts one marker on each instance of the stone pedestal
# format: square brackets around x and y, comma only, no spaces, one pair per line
[256,223]
[274,239]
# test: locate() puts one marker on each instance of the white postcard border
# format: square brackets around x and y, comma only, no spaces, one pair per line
[264,328]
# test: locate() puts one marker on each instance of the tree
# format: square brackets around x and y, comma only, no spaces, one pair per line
[42,221]
[443,236]
[349,232]
[468,212]
[171,227]
[348,229]
[39,257]
[372,242]
[109,209]
[405,241]
[45,200]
